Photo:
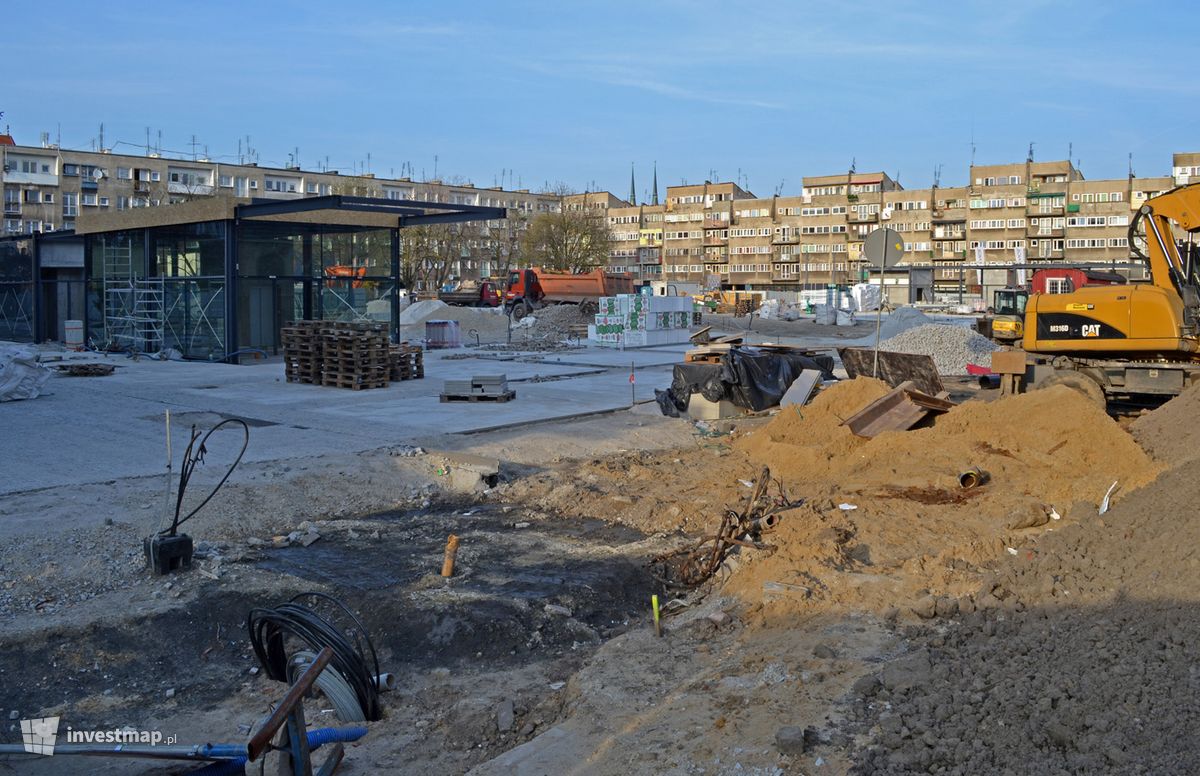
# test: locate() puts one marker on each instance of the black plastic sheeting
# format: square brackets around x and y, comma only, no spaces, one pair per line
[750,378]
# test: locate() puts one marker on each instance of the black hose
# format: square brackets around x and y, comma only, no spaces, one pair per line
[269,629]
[193,459]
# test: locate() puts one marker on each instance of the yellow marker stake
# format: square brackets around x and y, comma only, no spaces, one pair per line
[657,621]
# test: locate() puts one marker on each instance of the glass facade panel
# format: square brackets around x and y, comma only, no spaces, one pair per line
[16,290]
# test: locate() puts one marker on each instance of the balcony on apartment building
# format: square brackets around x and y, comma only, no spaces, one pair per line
[179,187]
[784,239]
[1035,209]
[715,240]
[862,218]
[1046,232]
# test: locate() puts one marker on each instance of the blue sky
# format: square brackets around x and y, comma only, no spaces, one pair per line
[576,91]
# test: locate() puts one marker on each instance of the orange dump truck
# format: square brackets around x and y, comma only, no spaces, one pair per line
[529,289]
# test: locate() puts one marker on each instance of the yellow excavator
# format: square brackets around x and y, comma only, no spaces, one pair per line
[1126,341]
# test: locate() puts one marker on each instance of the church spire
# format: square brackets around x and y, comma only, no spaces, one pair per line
[632,186]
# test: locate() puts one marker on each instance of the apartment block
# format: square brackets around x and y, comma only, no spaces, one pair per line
[46,188]
[718,234]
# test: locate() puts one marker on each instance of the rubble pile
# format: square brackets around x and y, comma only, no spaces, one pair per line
[951,347]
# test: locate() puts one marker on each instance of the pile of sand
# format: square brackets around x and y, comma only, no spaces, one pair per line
[1047,448]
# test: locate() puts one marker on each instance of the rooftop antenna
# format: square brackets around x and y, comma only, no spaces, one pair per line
[148,141]
[435,165]
[1131,165]
[101,135]
[368,161]
[1029,157]
[779,188]
[158,148]
[194,144]
[937,176]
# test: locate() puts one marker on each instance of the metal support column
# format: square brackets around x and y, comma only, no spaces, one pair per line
[395,255]
[231,291]
[306,270]
[38,330]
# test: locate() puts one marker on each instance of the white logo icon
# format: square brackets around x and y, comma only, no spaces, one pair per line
[39,734]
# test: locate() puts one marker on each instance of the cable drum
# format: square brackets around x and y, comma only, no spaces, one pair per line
[354,660]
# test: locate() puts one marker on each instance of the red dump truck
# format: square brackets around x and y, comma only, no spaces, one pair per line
[529,289]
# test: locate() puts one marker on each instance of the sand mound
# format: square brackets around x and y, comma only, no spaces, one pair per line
[1050,447]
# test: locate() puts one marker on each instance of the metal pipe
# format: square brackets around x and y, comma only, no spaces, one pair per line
[385,682]
[989,381]
[972,478]
[161,752]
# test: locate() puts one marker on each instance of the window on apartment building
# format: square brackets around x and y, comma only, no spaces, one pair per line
[70,204]
[225,181]
[122,203]
[155,177]
[124,173]
[48,197]
[89,200]
[32,196]
[103,201]
[71,170]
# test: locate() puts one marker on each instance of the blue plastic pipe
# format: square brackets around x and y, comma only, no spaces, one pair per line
[316,738]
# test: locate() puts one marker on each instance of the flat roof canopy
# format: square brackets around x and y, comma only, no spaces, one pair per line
[379,212]
[334,210]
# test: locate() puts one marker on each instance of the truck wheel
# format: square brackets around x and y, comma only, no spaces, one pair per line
[1079,383]
[590,307]
[518,312]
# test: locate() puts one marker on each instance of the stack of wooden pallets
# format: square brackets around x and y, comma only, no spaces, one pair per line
[302,352]
[355,355]
[407,362]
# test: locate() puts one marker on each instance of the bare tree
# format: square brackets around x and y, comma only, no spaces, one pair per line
[428,254]
[569,241]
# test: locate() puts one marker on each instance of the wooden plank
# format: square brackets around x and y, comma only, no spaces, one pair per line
[894,368]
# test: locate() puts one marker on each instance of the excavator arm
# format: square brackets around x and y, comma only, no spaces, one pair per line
[1180,206]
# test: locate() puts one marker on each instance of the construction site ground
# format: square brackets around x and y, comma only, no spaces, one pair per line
[898,625]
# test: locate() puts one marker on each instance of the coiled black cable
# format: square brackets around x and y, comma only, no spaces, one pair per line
[269,629]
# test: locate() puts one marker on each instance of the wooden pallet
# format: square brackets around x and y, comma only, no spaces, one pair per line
[474,397]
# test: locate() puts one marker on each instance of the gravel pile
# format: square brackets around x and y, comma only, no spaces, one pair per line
[952,347]
[554,322]
[902,320]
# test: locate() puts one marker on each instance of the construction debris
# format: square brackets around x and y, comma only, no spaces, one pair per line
[893,368]
[85,370]
[692,566]
[899,410]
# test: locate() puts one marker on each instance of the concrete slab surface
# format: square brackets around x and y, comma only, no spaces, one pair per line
[102,428]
